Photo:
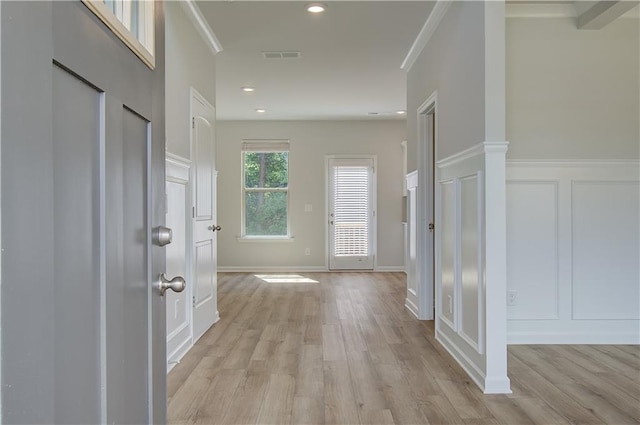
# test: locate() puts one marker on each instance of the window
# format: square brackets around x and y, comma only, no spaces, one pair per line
[265,187]
[132,21]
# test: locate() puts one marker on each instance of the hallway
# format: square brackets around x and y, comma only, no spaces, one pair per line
[339,348]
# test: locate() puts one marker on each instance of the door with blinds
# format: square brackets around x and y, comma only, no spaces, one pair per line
[351,213]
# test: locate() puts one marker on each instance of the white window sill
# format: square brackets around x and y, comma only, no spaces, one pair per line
[263,239]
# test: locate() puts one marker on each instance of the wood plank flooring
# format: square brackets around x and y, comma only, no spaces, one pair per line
[339,348]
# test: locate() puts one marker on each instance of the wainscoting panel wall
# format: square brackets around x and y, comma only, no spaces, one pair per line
[573,258]
[412,242]
[470,193]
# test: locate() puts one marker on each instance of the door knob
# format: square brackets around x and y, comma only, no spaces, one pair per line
[162,236]
[177,284]
[213,228]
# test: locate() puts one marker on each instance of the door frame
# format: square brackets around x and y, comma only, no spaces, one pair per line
[425,255]
[374,205]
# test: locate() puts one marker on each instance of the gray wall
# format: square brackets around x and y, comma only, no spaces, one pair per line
[572,94]
[189,63]
[453,64]
[310,142]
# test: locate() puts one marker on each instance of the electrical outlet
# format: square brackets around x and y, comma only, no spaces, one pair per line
[450,304]
[307,251]
[512,298]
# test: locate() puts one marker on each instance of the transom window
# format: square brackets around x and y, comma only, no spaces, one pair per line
[132,21]
[265,186]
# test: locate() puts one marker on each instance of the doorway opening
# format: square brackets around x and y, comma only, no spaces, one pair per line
[426,244]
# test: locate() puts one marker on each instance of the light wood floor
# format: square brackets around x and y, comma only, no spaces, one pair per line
[343,350]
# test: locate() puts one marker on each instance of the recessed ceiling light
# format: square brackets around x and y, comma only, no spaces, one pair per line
[316,7]
[248,89]
[401,112]
[261,111]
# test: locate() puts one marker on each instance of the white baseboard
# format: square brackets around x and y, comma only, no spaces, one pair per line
[488,385]
[389,269]
[177,355]
[412,308]
[608,338]
[272,269]
[299,269]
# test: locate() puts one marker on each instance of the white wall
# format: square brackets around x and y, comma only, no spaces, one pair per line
[463,62]
[572,94]
[573,205]
[453,64]
[189,63]
[310,141]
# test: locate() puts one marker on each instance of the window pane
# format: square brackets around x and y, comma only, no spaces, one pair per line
[266,213]
[266,169]
[135,17]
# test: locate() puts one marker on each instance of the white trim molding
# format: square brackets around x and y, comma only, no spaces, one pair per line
[471,235]
[200,22]
[389,269]
[425,34]
[272,269]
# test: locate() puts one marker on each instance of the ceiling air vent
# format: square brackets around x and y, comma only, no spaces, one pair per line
[281,55]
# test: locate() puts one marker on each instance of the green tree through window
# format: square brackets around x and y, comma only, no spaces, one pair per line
[266,183]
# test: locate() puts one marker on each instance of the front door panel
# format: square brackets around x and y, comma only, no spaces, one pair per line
[82,185]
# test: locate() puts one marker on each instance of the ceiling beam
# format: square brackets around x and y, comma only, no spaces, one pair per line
[602,13]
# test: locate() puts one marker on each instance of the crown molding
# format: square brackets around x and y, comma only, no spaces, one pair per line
[429,27]
[197,18]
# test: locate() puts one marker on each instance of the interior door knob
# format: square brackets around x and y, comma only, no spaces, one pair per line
[213,228]
[177,284]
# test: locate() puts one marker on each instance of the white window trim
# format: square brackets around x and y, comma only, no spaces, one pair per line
[143,48]
[254,145]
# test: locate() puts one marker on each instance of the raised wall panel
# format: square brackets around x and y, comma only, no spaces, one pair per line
[470,261]
[605,248]
[203,163]
[448,252]
[204,281]
[177,302]
[76,145]
[532,249]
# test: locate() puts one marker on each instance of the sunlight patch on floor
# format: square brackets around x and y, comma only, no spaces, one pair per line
[284,278]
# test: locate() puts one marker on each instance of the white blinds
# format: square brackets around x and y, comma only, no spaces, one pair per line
[351,210]
[255,145]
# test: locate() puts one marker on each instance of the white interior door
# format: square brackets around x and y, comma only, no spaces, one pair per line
[351,213]
[179,314]
[205,227]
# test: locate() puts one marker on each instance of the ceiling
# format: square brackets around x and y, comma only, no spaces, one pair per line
[349,65]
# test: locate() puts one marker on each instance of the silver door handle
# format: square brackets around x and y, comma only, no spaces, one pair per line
[177,284]
[162,236]
[213,228]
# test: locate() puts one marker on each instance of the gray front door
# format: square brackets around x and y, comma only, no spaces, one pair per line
[82,185]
